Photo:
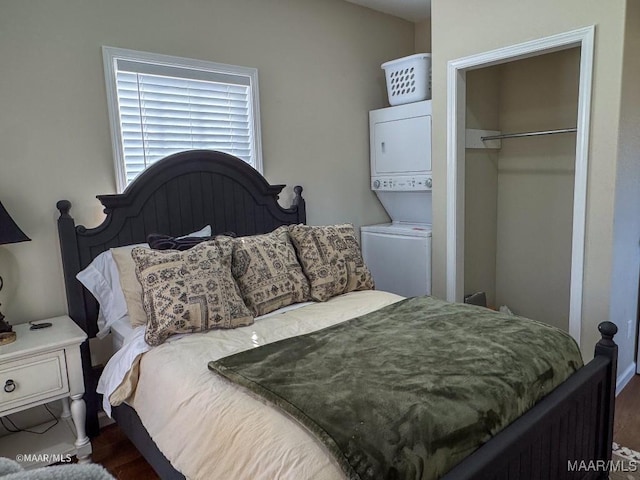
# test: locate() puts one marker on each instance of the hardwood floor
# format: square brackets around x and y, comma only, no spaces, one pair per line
[113,450]
[626,429]
[117,454]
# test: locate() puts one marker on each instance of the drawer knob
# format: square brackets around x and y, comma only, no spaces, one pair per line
[9,386]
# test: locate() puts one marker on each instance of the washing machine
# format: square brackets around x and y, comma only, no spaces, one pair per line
[399,257]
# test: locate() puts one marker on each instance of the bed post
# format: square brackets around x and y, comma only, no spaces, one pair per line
[300,204]
[71,263]
[606,347]
[75,305]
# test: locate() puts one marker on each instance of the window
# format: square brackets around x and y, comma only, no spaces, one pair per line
[159,105]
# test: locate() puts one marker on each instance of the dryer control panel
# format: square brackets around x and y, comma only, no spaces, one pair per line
[407,183]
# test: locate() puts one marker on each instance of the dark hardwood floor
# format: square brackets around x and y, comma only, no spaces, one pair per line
[113,450]
[117,454]
[626,429]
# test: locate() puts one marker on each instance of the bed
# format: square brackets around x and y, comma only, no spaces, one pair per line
[185,191]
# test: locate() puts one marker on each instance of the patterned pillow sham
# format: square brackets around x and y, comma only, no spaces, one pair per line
[331,259]
[190,291]
[267,271]
[130,286]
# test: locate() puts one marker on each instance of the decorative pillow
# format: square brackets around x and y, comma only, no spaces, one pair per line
[131,288]
[267,271]
[191,291]
[128,283]
[331,259]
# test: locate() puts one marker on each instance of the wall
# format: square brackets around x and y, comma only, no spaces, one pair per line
[319,73]
[626,222]
[535,186]
[481,185]
[499,23]
[423,36]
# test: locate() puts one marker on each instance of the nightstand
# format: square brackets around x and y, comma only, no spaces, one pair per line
[42,366]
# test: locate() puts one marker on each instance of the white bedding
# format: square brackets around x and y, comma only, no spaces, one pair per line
[120,330]
[210,428]
[129,344]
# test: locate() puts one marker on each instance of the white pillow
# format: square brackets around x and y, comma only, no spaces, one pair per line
[99,278]
[102,279]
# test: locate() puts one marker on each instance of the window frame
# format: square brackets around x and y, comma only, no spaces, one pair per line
[111,55]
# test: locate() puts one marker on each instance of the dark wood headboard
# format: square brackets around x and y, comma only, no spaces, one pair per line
[177,195]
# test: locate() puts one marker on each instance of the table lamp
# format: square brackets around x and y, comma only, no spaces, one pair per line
[9,233]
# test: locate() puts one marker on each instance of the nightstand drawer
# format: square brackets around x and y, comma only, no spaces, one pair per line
[32,379]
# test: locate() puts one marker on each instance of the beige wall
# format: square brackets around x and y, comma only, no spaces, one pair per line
[626,222]
[319,72]
[535,186]
[499,23]
[481,186]
[423,36]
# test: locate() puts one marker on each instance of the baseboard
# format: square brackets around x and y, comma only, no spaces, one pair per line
[625,377]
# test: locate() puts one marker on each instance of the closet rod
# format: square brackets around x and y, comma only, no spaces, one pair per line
[529,134]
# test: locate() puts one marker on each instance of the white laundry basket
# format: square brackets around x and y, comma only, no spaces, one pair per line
[408,78]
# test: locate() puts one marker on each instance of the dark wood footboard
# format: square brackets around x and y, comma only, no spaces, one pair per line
[568,435]
[562,437]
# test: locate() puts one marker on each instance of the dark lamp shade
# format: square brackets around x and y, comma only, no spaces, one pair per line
[9,231]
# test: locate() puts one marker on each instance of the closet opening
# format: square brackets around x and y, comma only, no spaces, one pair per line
[519,197]
[516,177]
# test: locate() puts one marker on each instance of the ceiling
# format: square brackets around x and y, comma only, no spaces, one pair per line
[412,10]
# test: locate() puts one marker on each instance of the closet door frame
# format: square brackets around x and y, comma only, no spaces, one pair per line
[456,111]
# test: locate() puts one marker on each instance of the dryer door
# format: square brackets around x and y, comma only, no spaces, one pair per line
[402,146]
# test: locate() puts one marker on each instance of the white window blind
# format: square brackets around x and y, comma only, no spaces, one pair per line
[167,107]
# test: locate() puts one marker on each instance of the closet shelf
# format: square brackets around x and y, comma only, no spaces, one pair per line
[528,134]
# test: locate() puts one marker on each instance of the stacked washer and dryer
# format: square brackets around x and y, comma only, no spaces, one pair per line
[399,253]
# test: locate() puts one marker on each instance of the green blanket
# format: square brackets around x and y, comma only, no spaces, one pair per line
[408,391]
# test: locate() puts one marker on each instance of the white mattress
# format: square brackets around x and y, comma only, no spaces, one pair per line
[208,427]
